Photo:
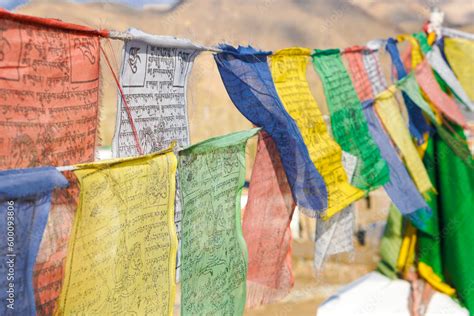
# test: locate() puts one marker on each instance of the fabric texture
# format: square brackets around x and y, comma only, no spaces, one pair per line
[49,92]
[460,55]
[248,81]
[153,77]
[25,200]
[48,275]
[153,80]
[448,251]
[386,107]
[122,251]
[437,62]
[354,56]
[289,74]
[456,143]
[334,236]
[401,189]
[348,123]
[266,227]
[374,72]
[443,103]
[429,253]
[214,254]
[417,124]
[391,243]
[413,55]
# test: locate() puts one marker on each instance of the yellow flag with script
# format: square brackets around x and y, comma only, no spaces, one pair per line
[289,74]
[122,252]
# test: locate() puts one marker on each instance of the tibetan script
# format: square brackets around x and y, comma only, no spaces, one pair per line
[122,252]
[153,79]
[214,254]
[49,90]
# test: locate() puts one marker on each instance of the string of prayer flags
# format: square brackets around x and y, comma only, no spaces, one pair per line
[348,123]
[437,62]
[49,92]
[248,81]
[334,236]
[50,102]
[460,55]
[409,86]
[214,254]
[401,189]
[417,124]
[122,251]
[25,199]
[153,78]
[289,75]
[266,227]
[387,109]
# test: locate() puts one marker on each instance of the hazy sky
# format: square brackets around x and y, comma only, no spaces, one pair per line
[11,4]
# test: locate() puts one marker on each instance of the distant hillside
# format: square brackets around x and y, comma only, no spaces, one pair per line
[267,24]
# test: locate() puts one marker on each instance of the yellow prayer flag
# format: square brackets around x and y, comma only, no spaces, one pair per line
[122,252]
[289,74]
[460,54]
[387,108]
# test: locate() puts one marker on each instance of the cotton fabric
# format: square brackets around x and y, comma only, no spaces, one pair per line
[214,254]
[25,200]
[49,92]
[248,81]
[266,227]
[388,111]
[122,251]
[348,123]
[289,74]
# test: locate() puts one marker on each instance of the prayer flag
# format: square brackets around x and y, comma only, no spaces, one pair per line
[214,254]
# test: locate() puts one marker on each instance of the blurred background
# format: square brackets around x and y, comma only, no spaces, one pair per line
[268,25]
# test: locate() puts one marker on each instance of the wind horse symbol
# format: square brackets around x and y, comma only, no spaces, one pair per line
[134,58]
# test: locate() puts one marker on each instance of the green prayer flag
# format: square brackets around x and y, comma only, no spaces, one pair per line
[429,244]
[450,251]
[349,125]
[214,254]
[391,243]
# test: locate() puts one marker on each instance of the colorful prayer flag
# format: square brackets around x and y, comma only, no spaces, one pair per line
[49,92]
[25,200]
[214,254]
[153,78]
[349,126]
[122,251]
[289,74]
[266,227]
[249,83]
